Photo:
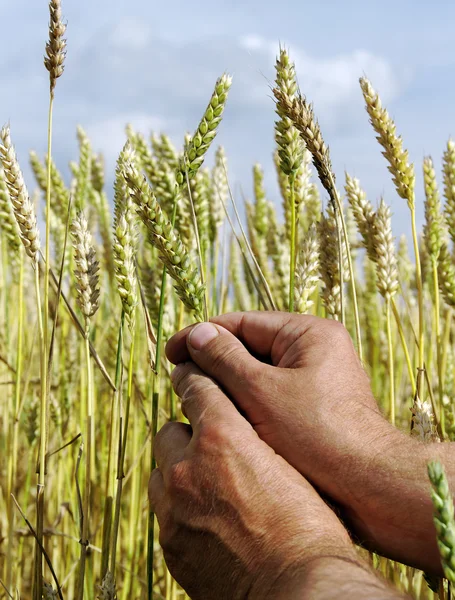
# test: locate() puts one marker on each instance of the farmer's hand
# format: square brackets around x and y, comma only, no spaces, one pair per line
[236,520]
[313,405]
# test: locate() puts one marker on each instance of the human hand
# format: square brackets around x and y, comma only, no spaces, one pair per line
[313,404]
[307,395]
[236,520]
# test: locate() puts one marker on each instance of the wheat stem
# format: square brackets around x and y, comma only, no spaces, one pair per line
[391,362]
[292,242]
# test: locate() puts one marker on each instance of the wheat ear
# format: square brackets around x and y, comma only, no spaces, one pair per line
[443,518]
[22,207]
[164,237]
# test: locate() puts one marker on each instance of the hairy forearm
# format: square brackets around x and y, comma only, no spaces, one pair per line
[389,506]
[328,577]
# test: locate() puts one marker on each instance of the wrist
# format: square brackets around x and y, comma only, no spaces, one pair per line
[344,577]
[389,505]
[291,575]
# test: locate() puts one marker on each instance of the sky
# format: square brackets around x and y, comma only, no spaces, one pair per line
[154,64]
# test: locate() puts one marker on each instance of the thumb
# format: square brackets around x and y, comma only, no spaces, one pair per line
[224,358]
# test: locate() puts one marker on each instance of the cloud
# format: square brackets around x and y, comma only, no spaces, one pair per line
[331,82]
[126,73]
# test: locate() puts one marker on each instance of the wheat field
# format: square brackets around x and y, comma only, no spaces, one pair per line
[94,280]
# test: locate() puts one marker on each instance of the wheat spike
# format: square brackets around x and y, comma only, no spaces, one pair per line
[402,171]
[422,422]
[197,146]
[433,228]
[56,46]
[384,248]
[22,206]
[443,518]
[164,237]
[290,146]
[363,213]
[219,193]
[86,273]
[307,272]
[448,169]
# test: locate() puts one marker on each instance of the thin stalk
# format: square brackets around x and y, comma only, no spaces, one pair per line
[12,459]
[421,363]
[109,494]
[214,254]
[404,345]
[87,490]
[121,462]
[391,362]
[44,359]
[48,227]
[154,428]
[198,245]
[155,406]
[437,318]
[334,193]
[247,243]
[38,584]
[340,266]
[293,242]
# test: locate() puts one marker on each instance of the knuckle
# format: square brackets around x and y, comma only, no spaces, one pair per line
[177,480]
[214,438]
[336,333]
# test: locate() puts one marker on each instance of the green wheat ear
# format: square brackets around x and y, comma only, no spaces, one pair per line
[443,518]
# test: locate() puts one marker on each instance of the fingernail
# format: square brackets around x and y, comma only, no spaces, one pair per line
[201,335]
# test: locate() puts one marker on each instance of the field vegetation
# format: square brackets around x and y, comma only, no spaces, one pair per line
[88,302]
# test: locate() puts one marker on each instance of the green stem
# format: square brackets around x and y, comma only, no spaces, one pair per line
[38,584]
[404,345]
[14,424]
[391,363]
[121,463]
[155,406]
[351,274]
[199,248]
[109,494]
[421,364]
[87,490]
[292,247]
[437,317]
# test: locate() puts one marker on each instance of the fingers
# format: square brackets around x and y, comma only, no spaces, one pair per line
[267,334]
[203,401]
[224,358]
[170,444]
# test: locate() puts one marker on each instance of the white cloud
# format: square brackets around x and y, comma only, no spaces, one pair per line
[331,82]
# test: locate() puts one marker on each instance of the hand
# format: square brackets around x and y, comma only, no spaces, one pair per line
[236,520]
[312,403]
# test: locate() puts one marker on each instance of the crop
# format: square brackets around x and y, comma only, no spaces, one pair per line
[85,314]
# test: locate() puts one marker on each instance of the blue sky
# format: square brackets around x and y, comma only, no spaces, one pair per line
[154,64]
